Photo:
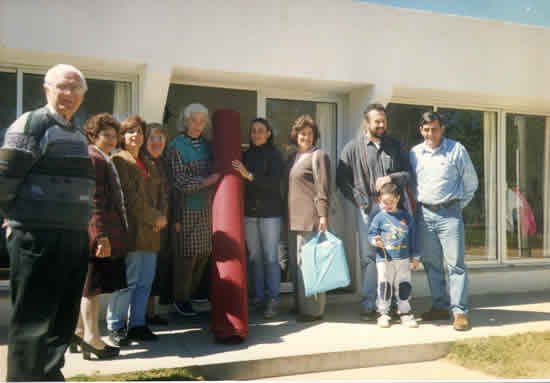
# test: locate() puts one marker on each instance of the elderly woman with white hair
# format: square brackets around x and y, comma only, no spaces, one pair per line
[190,161]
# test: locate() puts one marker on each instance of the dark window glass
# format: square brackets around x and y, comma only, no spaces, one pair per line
[8,98]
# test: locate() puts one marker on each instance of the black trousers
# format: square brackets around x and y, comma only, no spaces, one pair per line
[47,271]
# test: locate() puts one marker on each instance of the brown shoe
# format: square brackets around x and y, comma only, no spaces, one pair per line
[461,322]
[435,314]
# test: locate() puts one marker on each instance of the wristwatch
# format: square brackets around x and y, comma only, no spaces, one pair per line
[250,176]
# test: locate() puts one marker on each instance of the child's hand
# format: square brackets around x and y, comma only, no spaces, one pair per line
[415,263]
[378,242]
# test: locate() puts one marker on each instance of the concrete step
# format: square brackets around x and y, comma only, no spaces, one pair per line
[322,362]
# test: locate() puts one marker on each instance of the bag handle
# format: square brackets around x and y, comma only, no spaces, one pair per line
[329,237]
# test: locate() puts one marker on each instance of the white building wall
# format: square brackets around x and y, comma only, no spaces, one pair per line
[344,41]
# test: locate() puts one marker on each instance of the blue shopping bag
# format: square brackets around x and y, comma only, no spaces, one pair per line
[324,266]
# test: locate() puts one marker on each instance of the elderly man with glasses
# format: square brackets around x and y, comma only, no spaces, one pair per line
[46,192]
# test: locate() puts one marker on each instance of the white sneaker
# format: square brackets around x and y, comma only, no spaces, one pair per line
[408,320]
[270,309]
[384,321]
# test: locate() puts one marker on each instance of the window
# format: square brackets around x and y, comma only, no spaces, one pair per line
[8,98]
[281,114]
[103,96]
[526,191]
[476,130]
[403,122]
[108,96]
[179,96]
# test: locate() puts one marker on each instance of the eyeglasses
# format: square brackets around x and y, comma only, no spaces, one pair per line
[71,88]
[157,138]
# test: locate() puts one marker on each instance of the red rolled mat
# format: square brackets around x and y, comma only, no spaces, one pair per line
[228,294]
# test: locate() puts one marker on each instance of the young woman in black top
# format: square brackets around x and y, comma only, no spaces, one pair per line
[262,169]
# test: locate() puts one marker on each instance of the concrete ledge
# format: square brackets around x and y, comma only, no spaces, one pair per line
[331,361]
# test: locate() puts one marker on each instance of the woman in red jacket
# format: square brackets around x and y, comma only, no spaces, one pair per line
[107,232]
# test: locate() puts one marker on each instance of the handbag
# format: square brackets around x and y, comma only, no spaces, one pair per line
[323,264]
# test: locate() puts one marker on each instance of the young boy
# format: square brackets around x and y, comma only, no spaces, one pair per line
[392,232]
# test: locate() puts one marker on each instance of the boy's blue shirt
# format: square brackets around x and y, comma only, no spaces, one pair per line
[398,232]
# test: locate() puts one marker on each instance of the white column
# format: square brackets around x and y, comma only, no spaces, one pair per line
[154,81]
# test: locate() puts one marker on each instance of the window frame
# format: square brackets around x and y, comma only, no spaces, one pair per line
[499,248]
[20,70]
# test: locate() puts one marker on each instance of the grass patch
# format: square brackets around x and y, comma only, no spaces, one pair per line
[525,355]
[163,374]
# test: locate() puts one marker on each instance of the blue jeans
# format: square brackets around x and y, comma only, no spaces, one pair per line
[367,254]
[132,301]
[441,237]
[262,241]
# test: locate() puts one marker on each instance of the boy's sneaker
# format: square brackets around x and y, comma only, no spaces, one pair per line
[384,321]
[408,320]
[270,309]
[185,309]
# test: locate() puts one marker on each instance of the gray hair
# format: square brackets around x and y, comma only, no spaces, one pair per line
[186,113]
[51,74]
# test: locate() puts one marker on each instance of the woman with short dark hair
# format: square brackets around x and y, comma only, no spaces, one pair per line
[146,218]
[308,180]
[107,231]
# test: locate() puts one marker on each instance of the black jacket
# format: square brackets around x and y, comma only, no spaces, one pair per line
[358,168]
[263,195]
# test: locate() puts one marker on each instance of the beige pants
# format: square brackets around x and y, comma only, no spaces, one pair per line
[310,306]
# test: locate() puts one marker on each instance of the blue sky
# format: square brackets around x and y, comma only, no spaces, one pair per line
[532,12]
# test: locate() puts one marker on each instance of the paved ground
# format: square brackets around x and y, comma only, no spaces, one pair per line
[284,347]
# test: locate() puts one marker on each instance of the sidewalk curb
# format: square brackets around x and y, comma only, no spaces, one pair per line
[331,361]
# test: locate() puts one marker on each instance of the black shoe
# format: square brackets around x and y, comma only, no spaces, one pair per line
[308,318]
[368,315]
[435,314]
[141,333]
[106,352]
[119,337]
[75,344]
[185,309]
[157,320]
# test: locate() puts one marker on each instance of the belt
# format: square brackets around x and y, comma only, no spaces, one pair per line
[438,206]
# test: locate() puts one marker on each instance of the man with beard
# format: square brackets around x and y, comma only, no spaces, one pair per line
[367,163]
